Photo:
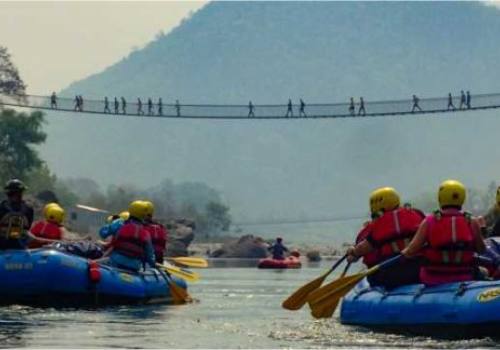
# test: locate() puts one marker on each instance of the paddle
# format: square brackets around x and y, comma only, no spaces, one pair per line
[180,272]
[189,261]
[299,297]
[179,294]
[324,300]
[328,311]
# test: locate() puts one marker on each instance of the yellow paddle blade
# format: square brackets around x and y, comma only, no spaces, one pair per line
[327,312]
[180,272]
[326,307]
[179,294]
[325,291]
[299,297]
[324,300]
[190,261]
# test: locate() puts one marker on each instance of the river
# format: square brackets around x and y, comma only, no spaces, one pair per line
[236,307]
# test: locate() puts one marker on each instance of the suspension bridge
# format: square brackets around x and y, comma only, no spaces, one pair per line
[118,107]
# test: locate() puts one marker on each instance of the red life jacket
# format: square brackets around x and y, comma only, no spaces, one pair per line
[131,240]
[45,229]
[450,254]
[159,239]
[450,238]
[372,258]
[393,231]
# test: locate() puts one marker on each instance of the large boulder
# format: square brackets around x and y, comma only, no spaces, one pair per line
[248,246]
[181,234]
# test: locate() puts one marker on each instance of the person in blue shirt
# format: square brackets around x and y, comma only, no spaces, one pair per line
[131,247]
[278,249]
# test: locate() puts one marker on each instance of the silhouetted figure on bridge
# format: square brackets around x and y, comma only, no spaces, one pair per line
[463,100]
[250,109]
[81,102]
[53,101]
[150,106]
[160,106]
[117,106]
[139,107]
[450,102]
[289,111]
[124,105]
[106,105]
[178,108]
[302,110]
[362,110]
[77,103]
[467,100]
[352,107]
[416,100]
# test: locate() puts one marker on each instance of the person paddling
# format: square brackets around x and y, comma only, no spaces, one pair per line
[50,228]
[386,236]
[278,249]
[451,235]
[131,246]
[158,233]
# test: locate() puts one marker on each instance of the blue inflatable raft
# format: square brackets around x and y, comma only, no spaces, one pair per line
[454,310]
[46,277]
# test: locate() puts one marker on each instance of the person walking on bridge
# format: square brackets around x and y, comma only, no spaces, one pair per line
[416,100]
[53,101]
[117,106]
[467,100]
[178,108]
[150,106]
[77,103]
[352,107]
[160,106]
[361,110]
[139,107]
[450,102]
[106,105]
[463,100]
[302,112]
[289,111]
[124,105]
[250,109]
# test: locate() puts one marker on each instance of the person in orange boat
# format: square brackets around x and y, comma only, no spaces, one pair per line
[449,239]
[386,236]
[49,229]
[158,233]
[278,249]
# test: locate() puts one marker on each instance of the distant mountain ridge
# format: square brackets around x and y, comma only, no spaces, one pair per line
[268,52]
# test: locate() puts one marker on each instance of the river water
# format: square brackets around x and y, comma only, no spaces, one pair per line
[237,307]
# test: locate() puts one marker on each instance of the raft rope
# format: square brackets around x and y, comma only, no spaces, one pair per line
[157,109]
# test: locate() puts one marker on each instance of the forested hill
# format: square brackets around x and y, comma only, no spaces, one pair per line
[320,51]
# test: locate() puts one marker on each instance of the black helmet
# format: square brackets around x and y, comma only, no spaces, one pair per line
[14,185]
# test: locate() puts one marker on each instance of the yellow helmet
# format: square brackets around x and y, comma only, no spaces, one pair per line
[384,199]
[124,215]
[451,193]
[55,214]
[47,206]
[137,209]
[150,209]
[374,200]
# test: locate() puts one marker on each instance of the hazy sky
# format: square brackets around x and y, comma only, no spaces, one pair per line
[55,43]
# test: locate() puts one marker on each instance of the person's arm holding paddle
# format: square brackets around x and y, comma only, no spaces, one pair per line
[418,241]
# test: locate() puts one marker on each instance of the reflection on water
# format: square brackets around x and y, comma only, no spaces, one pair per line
[238,308]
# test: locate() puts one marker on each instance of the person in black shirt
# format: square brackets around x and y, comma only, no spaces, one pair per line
[16,217]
